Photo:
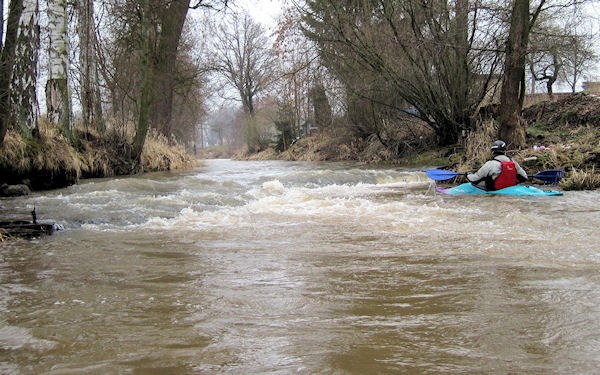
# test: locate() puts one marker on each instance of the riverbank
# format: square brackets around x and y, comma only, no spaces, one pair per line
[50,162]
[562,134]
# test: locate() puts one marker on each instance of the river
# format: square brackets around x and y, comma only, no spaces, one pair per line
[300,268]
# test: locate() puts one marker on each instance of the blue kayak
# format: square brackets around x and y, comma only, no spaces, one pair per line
[468,188]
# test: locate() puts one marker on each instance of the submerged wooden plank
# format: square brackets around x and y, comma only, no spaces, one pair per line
[27,228]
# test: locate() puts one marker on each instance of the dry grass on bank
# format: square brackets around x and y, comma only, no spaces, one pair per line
[324,147]
[307,149]
[570,130]
[321,147]
[572,146]
[160,155]
[588,179]
[577,152]
[477,149]
[50,154]
[216,152]
[268,154]
[50,161]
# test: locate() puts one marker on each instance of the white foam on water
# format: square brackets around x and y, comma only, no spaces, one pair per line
[275,204]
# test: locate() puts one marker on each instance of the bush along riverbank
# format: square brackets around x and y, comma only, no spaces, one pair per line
[50,162]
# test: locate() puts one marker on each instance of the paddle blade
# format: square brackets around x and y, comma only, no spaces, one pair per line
[551,176]
[440,174]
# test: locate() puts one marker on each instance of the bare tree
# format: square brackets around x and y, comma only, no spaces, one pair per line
[545,54]
[580,56]
[244,59]
[171,18]
[190,89]
[145,96]
[301,71]
[428,55]
[148,34]
[523,19]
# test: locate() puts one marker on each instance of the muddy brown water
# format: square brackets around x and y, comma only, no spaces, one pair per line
[300,268]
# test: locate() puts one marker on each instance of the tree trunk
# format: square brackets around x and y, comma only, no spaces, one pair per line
[85,51]
[462,70]
[145,99]
[98,118]
[164,66]
[7,62]
[554,77]
[58,98]
[1,24]
[91,108]
[24,82]
[512,127]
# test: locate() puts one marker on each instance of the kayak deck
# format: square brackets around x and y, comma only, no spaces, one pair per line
[468,188]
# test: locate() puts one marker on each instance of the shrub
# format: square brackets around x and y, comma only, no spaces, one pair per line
[259,133]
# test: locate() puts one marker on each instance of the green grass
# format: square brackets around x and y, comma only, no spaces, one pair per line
[569,116]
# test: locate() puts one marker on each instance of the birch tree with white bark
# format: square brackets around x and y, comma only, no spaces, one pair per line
[24,76]
[58,96]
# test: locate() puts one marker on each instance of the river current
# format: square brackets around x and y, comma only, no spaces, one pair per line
[300,268]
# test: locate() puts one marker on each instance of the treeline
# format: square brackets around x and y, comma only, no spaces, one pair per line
[110,67]
[362,67]
[444,60]
[365,69]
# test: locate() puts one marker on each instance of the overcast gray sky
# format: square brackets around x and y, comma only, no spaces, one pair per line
[263,11]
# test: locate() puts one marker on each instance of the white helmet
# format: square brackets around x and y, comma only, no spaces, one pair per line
[499,147]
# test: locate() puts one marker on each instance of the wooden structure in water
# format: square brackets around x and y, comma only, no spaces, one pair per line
[26,228]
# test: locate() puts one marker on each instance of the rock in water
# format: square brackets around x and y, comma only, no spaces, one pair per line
[14,190]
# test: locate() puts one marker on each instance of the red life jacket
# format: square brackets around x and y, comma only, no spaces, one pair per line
[508,176]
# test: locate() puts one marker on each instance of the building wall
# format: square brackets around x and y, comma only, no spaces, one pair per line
[592,87]
[531,99]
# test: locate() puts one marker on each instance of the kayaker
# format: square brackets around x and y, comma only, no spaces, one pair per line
[499,172]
